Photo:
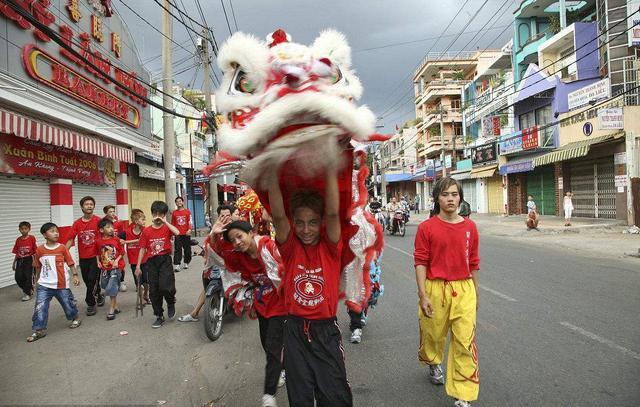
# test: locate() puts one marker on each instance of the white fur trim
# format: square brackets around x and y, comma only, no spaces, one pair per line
[360,122]
[333,45]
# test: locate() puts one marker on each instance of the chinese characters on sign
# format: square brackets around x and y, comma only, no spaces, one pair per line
[530,138]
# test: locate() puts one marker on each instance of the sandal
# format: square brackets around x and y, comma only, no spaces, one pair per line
[116,311]
[36,335]
[76,323]
[187,318]
[111,317]
[147,301]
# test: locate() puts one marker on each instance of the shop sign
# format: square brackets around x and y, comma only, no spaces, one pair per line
[45,68]
[483,154]
[516,167]
[595,91]
[620,158]
[610,119]
[200,177]
[512,144]
[23,156]
[634,22]
[430,171]
[153,153]
[148,171]
[560,183]
[447,161]
[530,138]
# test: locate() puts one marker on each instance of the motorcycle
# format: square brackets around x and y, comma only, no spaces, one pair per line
[379,216]
[215,306]
[398,223]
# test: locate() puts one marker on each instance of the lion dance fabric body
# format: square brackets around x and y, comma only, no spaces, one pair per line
[290,108]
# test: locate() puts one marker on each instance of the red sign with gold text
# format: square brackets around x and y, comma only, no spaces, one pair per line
[29,157]
[530,139]
[48,70]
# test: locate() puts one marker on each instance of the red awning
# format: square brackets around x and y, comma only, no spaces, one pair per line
[25,127]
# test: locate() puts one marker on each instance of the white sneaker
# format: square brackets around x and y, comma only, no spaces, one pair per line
[269,401]
[25,297]
[123,287]
[187,318]
[283,379]
[356,335]
[185,266]
[462,403]
[436,376]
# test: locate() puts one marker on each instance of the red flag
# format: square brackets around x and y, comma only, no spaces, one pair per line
[397,128]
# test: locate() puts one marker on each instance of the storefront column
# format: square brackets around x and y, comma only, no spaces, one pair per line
[558,169]
[122,193]
[61,199]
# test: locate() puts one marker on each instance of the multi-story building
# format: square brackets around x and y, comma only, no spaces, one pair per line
[399,163]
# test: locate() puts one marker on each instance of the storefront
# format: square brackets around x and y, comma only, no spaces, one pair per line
[541,185]
[66,129]
[489,187]
[146,184]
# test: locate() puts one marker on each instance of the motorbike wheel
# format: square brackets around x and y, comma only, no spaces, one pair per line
[402,229]
[214,311]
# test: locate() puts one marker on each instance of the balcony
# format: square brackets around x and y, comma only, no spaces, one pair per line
[459,59]
[438,89]
[557,55]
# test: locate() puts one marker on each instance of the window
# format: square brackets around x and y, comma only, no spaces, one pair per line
[543,115]
[527,120]
[455,104]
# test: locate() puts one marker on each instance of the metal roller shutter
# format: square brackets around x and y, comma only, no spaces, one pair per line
[582,186]
[20,199]
[103,194]
[606,189]
[541,184]
[593,185]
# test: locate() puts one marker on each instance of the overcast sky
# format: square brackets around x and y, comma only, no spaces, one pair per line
[385,72]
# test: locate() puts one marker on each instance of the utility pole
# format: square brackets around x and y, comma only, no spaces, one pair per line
[213,185]
[383,167]
[375,171]
[444,167]
[167,118]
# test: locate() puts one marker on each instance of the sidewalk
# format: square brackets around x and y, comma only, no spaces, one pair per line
[590,235]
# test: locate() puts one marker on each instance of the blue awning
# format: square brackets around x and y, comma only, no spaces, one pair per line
[397,177]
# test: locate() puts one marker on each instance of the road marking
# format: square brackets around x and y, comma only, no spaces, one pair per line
[497,293]
[602,340]
[492,291]
[398,250]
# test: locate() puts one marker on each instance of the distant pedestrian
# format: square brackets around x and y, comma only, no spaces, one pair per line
[429,207]
[531,205]
[24,249]
[110,262]
[568,207]
[447,264]
[53,263]
[86,229]
[155,243]
[181,219]
[417,204]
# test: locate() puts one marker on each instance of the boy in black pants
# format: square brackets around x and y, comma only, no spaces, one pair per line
[155,241]
[24,249]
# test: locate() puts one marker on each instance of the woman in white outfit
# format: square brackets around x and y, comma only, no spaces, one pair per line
[568,208]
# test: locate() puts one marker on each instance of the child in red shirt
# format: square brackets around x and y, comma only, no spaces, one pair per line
[155,246]
[53,264]
[181,219]
[258,261]
[311,255]
[132,240]
[119,229]
[447,261]
[86,229]
[110,259]
[24,249]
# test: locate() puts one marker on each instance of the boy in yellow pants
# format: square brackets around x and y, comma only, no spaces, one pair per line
[446,260]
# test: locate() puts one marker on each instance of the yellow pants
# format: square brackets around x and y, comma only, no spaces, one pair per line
[454,309]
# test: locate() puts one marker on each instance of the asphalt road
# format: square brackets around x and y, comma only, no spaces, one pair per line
[555,328]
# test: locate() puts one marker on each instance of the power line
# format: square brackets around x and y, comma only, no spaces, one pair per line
[153,58]
[235,22]
[226,17]
[64,44]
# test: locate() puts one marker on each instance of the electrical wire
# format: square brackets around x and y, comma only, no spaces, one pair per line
[55,37]
[226,17]
[233,13]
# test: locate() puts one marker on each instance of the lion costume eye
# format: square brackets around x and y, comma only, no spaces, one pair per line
[242,83]
[336,76]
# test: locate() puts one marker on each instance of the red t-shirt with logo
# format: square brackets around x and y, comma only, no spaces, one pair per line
[133,249]
[24,247]
[156,241]
[181,219]
[312,277]
[108,250]
[266,299]
[87,232]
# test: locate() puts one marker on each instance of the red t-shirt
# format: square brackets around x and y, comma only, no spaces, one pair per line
[448,250]
[87,232]
[312,277]
[24,247]
[181,219]
[108,249]
[156,241]
[133,249]
[266,299]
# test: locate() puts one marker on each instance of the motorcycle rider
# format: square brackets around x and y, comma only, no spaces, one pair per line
[392,207]
[375,208]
